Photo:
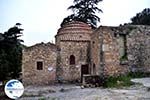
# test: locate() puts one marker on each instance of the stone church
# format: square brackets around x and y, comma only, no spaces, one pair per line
[80,50]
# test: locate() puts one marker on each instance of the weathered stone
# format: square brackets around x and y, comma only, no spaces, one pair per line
[46,53]
[73,39]
[80,50]
[138,48]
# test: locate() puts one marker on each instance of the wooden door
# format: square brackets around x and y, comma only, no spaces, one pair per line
[84,70]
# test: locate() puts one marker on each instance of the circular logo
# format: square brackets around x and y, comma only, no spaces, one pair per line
[14,89]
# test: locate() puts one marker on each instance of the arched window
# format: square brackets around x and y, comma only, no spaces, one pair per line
[72,60]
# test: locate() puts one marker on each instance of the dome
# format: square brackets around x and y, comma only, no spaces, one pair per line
[75,27]
[74,31]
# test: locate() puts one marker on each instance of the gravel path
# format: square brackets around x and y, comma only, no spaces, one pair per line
[72,92]
[144,81]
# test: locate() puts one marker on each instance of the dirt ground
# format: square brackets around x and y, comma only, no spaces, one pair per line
[73,92]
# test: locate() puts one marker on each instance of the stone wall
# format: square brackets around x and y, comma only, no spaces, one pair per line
[79,50]
[138,48]
[100,50]
[96,68]
[111,55]
[108,48]
[46,53]
[73,38]
[105,52]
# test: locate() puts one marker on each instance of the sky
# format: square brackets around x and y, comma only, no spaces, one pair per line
[41,19]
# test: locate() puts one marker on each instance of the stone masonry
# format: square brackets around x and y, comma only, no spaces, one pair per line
[80,50]
[73,39]
[46,53]
[138,48]
[106,57]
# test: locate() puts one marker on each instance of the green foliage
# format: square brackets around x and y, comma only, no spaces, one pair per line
[10,53]
[119,81]
[42,98]
[124,58]
[85,11]
[139,74]
[142,18]
[3,64]
[124,80]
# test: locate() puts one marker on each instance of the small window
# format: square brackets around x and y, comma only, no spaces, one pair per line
[39,65]
[93,42]
[72,60]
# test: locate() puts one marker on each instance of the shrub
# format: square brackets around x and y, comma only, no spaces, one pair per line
[118,81]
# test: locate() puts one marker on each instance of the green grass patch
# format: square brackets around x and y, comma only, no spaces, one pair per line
[118,82]
[123,80]
[139,74]
[43,98]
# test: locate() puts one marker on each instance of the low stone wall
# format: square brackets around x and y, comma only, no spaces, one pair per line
[92,81]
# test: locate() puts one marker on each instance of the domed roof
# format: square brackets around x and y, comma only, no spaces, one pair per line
[75,27]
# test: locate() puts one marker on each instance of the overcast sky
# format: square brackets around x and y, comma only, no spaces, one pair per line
[41,19]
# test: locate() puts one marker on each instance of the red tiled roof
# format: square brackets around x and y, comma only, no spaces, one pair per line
[75,27]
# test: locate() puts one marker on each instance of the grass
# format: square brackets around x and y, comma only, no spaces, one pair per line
[123,80]
[119,81]
[42,98]
[139,74]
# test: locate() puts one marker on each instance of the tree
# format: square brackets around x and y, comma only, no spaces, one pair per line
[10,53]
[85,11]
[142,18]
